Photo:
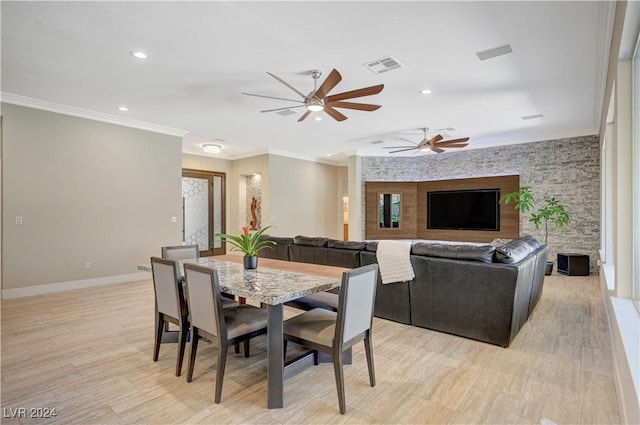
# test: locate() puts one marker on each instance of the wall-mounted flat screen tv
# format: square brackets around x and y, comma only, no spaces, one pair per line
[464,209]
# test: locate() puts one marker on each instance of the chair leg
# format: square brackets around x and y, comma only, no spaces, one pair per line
[236,348]
[222,362]
[246,347]
[182,345]
[192,354]
[337,367]
[369,352]
[158,338]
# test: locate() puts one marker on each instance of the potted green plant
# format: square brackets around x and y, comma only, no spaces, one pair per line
[541,212]
[248,243]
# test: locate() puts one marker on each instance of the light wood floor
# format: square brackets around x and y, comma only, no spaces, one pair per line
[87,353]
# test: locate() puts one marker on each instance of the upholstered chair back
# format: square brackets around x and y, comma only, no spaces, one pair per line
[165,284]
[204,297]
[180,252]
[357,293]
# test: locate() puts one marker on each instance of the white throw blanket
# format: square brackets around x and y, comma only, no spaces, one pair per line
[394,261]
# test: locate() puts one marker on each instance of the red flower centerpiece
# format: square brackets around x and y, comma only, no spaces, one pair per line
[248,243]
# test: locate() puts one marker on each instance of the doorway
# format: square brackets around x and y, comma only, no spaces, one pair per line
[203,207]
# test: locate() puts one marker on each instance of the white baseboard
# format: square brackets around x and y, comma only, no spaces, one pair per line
[49,288]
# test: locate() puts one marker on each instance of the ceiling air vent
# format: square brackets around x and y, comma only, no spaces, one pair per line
[286,112]
[494,53]
[382,65]
[532,117]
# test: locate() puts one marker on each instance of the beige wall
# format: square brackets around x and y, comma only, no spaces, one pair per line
[87,192]
[206,163]
[298,196]
[305,198]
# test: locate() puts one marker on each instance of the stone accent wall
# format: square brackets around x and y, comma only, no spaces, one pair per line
[568,169]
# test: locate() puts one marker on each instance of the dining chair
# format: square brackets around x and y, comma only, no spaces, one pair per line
[210,321]
[188,252]
[181,252]
[335,332]
[171,306]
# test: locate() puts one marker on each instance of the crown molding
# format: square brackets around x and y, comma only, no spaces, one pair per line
[44,105]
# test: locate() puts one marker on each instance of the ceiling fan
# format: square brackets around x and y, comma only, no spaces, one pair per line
[318,99]
[436,144]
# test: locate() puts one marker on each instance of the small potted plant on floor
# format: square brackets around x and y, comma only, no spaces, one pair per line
[541,212]
[248,243]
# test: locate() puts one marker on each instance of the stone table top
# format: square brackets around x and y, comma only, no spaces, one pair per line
[265,284]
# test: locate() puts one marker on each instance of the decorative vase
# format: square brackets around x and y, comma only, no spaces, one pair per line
[250,262]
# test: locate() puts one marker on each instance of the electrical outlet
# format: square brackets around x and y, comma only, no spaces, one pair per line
[87,266]
[19,220]
[174,219]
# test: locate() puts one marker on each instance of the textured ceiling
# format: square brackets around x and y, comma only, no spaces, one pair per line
[203,55]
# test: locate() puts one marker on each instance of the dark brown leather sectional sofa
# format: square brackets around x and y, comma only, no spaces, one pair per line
[475,291]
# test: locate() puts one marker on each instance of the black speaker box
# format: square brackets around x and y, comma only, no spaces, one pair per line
[573,264]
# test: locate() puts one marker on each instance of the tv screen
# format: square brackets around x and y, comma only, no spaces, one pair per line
[464,209]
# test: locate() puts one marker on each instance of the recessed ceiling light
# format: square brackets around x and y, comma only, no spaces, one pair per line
[425,91]
[123,108]
[318,118]
[138,54]
[328,154]
[211,148]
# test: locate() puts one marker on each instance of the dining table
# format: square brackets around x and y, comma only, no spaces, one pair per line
[272,283]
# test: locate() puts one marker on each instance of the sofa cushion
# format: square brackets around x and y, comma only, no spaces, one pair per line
[371,246]
[513,252]
[355,245]
[531,240]
[310,241]
[280,240]
[482,253]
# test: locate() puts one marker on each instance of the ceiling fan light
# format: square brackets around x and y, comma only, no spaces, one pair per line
[424,149]
[315,107]
[211,148]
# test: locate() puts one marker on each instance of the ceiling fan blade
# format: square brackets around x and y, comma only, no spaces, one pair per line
[452,141]
[435,139]
[399,147]
[273,97]
[354,105]
[329,83]
[453,146]
[402,150]
[282,109]
[288,85]
[436,149]
[305,115]
[367,91]
[338,116]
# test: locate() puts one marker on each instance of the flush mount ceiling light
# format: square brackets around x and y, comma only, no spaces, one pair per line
[425,91]
[314,104]
[123,108]
[211,148]
[138,54]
